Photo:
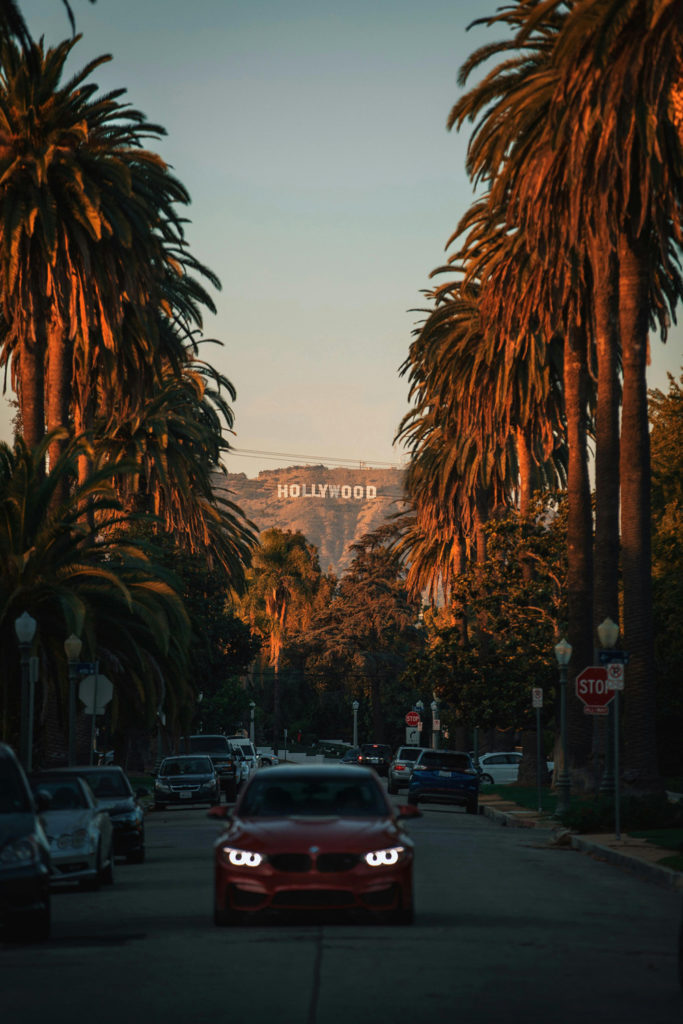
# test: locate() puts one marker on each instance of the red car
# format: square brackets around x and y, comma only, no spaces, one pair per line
[313,838]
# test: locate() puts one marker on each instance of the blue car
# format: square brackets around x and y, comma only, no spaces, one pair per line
[445,776]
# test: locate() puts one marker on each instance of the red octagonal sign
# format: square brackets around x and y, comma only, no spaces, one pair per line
[412,719]
[591,688]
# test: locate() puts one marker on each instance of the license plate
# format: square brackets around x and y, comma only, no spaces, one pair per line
[186,796]
[445,775]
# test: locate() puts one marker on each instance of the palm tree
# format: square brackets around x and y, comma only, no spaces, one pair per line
[281,581]
[92,581]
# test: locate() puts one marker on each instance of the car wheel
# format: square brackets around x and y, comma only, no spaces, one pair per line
[472,806]
[34,927]
[108,872]
[226,916]
[486,778]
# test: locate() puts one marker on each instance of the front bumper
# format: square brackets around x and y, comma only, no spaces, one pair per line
[188,797]
[360,888]
[76,866]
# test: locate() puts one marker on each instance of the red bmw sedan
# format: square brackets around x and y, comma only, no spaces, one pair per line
[313,838]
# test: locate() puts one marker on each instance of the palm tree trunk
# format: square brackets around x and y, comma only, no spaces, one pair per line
[606,590]
[527,475]
[30,375]
[579,542]
[58,390]
[640,744]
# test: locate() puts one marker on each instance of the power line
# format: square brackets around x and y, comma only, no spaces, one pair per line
[314,460]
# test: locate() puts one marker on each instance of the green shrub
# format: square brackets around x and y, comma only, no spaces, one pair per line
[597,815]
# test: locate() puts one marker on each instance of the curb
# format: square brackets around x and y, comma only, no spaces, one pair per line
[657,873]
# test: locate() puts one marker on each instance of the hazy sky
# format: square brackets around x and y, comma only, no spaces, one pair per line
[311,137]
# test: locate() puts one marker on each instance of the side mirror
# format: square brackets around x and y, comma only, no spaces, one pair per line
[220,812]
[43,799]
[406,811]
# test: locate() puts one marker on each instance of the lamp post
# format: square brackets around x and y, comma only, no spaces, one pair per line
[435,722]
[72,649]
[563,653]
[25,628]
[251,721]
[608,631]
[419,707]
[354,708]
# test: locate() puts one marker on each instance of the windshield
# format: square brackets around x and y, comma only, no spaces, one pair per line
[108,784]
[186,766]
[313,797]
[14,798]
[65,794]
[436,759]
[409,753]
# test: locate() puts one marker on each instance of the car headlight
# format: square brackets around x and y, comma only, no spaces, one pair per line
[384,858]
[209,785]
[129,818]
[162,787]
[22,851]
[241,858]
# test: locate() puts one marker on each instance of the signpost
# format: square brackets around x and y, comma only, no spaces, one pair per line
[537,703]
[593,691]
[95,691]
[615,661]
[413,728]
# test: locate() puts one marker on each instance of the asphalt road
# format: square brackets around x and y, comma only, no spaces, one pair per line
[507,929]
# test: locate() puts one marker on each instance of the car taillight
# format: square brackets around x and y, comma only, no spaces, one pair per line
[399,767]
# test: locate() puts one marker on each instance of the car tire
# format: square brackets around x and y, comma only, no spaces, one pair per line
[108,872]
[472,806]
[33,927]
[226,917]
[486,778]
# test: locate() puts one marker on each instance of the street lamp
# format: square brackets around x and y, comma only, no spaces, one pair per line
[72,649]
[563,653]
[25,628]
[251,721]
[435,731]
[354,708]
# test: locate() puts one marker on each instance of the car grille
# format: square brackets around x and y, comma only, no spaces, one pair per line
[290,861]
[313,898]
[337,861]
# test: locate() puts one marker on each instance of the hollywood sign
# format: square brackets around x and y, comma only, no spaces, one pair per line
[327,491]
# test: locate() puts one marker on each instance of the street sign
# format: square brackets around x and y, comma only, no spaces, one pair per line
[607,656]
[536,697]
[413,719]
[86,668]
[436,724]
[593,691]
[95,692]
[615,675]
[412,736]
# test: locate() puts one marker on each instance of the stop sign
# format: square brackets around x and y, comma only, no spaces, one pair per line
[591,688]
[412,719]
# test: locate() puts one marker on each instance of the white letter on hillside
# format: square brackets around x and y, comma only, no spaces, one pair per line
[282,491]
[370,491]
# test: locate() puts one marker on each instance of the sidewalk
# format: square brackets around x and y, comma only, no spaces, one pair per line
[634,855]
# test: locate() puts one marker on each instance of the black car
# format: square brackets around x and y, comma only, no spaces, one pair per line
[375,755]
[115,795]
[188,779]
[24,854]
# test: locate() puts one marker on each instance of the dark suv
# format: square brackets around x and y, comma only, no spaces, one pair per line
[24,854]
[375,755]
[225,759]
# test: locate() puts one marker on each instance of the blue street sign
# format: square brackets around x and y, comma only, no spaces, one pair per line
[87,668]
[608,656]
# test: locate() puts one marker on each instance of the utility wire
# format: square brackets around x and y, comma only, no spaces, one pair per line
[315,460]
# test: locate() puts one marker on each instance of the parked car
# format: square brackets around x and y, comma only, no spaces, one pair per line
[266,758]
[502,767]
[375,755]
[249,755]
[186,779]
[445,776]
[319,837]
[223,756]
[24,854]
[401,766]
[79,831]
[350,756]
[115,795]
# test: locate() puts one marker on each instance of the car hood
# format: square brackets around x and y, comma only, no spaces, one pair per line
[16,826]
[116,804]
[299,834]
[57,822]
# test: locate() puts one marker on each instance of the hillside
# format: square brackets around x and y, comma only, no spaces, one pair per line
[331,507]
